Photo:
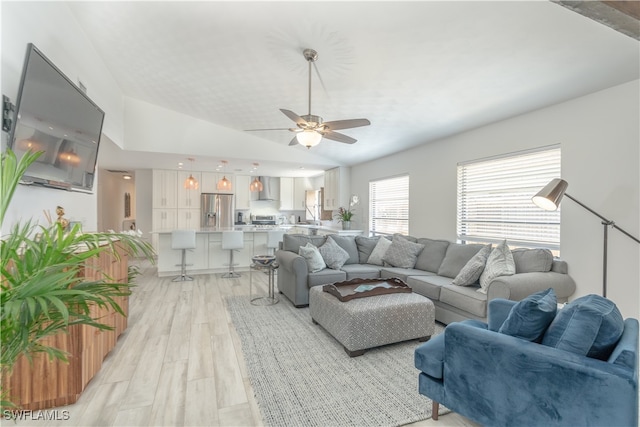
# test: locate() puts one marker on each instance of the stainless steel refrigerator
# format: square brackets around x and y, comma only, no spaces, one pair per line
[217,210]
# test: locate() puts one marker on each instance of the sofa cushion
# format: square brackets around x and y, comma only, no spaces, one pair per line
[531,317]
[457,256]
[465,298]
[292,242]
[472,270]
[402,273]
[332,254]
[379,251]
[532,260]
[589,326]
[428,286]
[499,263]
[365,246]
[326,276]
[361,271]
[312,255]
[348,243]
[405,237]
[432,255]
[402,253]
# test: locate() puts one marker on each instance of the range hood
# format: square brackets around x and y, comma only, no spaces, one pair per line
[270,188]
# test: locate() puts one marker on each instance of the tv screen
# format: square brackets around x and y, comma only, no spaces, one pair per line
[54,116]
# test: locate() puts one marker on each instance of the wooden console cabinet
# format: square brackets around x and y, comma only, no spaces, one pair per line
[47,384]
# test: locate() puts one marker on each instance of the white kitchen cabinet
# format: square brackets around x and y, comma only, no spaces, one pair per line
[260,244]
[300,186]
[187,198]
[164,188]
[188,219]
[209,183]
[286,194]
[162,219]
[243,194]
[292,193]
[336,188]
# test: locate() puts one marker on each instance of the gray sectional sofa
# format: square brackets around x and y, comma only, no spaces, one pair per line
[435,268]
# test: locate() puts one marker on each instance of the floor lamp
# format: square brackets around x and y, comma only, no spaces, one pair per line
[549,198]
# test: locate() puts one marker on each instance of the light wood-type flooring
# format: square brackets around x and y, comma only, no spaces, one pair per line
[178,363]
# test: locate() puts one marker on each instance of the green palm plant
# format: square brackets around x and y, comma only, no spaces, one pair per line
[42,292]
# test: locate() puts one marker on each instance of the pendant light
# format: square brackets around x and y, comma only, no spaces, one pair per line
[224,183]
[191,183]
[255,185]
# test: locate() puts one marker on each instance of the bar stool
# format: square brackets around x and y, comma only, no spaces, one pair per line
[274,237]
[183,240]
[232,241]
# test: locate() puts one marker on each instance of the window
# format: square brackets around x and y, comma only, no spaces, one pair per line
[494,199]
[389,205]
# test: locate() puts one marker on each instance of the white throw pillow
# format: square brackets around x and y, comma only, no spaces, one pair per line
[499,263]
[472,270]
[378,252]
[332,254]
[313,257]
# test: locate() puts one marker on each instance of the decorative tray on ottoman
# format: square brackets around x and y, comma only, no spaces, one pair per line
[360,288]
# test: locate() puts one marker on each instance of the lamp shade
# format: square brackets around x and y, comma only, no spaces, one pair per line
[256,185]
[191,183]
[224,184]
[308,138]
[550,196]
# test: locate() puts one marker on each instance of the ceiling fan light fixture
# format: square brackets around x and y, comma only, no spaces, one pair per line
[309,138]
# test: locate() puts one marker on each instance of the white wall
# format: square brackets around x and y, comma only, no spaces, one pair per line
[144,201]
[600,139]
[53,29]
[111,201]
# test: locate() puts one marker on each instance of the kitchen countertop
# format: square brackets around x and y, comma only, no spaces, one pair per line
[264,229]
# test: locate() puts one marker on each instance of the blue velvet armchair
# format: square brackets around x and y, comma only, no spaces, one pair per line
[501,380]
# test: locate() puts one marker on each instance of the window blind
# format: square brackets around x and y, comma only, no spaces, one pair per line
[389,205]
[494,199]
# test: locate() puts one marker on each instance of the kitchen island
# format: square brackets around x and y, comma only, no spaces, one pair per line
[209,257]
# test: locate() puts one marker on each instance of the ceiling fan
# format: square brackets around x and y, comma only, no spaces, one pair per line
[311,129]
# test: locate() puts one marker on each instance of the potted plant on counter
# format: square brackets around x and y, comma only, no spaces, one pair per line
[344,216]
[42,290]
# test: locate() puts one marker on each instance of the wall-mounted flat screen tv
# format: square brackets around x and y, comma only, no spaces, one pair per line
[54,116]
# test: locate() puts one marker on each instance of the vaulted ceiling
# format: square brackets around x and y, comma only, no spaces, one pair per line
[419,71]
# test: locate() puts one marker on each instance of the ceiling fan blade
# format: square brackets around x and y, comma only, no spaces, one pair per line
[346,124]
[293,116]
[335,136]
[294,141]
[255,130]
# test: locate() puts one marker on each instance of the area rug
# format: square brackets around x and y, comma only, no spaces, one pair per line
[301,376]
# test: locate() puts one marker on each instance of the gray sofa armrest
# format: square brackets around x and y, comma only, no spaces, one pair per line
[292,277]
[521,285]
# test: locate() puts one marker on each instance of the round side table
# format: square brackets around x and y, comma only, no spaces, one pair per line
[271,298]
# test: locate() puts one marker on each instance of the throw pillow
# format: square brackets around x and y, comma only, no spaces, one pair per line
[530,317]
[432,255]
[348,243]
[332,254]
[589,326]
[402,253]
[532,260]
[365,247]
[499,263]
[456,257]
[472,270]
[379,251]
[312,255]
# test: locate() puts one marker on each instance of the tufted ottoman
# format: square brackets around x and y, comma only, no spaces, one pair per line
[364,323]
